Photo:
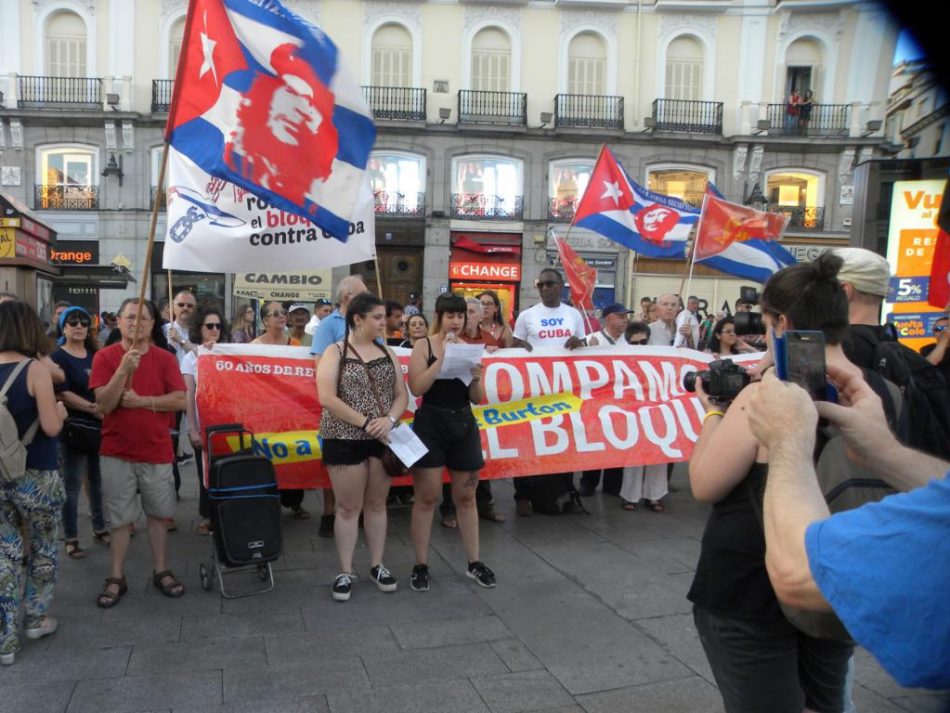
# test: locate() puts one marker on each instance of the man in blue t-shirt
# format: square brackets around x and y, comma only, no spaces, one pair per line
[882,567]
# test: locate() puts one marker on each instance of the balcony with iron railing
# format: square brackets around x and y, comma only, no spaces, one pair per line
[481,107]
[400,205]
[61,92]
[480,206]
[800,217]
[816,120]
[561,210]
[396,103]
[588,111]
[687,116]
[65,197]
[162,95]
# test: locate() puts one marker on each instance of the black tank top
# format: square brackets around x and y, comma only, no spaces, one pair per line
[731,579]
[446,393]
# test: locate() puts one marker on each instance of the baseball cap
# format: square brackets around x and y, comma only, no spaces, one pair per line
[298,305]
[615,308]
[867,271]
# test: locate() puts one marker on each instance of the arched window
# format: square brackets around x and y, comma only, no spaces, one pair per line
[803,60]
[487,187]
[491,61]
[587,65]
[65,51]
[567,181]
[175,39]
[392,57]
[684,69]
[799,194]
[398,182]
[688,183]
[67,177]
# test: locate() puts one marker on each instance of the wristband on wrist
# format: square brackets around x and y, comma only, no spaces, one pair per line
[712,413]
[366,423]
[153,404]
[392,419]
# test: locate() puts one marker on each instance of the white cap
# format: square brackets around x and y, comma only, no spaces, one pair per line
[867,271]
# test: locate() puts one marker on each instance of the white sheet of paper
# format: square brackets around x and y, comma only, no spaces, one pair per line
[406,445]
[459,360]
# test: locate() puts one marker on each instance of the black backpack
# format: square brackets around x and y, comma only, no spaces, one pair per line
[555,494]
[923,387]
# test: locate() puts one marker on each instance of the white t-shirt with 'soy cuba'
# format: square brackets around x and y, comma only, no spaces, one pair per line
[542,326]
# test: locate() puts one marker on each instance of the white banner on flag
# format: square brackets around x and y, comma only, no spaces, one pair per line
[216,226]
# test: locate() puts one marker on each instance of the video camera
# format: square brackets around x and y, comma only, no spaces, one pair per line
[722,381]
[749,322]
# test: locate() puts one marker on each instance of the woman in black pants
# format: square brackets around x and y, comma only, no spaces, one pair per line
[446,425]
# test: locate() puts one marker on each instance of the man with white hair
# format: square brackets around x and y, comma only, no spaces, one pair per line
[864,276]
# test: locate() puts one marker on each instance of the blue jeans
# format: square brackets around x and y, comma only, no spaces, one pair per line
[75,466]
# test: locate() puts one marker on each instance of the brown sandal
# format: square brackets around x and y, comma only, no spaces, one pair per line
[655,506]
[108,599]
[629,506]
[173,589]
[488,513]
[74,551]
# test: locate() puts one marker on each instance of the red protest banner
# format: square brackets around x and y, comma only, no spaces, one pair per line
[547,411]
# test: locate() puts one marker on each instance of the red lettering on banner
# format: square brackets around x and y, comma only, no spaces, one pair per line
[624,408]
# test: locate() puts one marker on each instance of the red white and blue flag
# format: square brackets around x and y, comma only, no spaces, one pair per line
[739,240]
[648,223]
[261,102]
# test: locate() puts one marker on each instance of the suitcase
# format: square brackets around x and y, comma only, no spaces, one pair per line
[245,509]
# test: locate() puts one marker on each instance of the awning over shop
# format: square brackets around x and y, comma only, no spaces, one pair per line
[103,277]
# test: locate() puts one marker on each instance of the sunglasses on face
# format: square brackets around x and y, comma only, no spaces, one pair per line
[78,322]
[546,283]
[939,328]
[277,313]
[212,325]
[183,305]
[638,342]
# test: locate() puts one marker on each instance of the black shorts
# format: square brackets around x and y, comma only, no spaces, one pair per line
[340,451]
[452,437]
[771,665]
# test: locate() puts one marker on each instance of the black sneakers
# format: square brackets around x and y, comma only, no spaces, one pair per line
[342,586]
[383,578]
[419,579]
[481,574]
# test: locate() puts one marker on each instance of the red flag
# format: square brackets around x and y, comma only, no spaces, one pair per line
[581,277]
[723,223]
[938,294]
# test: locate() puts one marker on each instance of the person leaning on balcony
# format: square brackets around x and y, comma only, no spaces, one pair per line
[804,110]
[792,109]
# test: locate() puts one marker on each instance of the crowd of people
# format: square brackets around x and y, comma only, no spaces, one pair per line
[103,417]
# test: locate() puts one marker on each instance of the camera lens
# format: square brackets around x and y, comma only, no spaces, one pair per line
[749,323]
[689,381]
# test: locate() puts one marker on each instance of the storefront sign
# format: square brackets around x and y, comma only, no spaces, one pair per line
[807,253]
[80,252]
[284,286]
[507,272]
[31,248]
[911,237]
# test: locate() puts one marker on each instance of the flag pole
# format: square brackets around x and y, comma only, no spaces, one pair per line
[146,267]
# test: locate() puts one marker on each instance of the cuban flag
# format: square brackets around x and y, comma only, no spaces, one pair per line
[648,223]
[740,241]
[261,102]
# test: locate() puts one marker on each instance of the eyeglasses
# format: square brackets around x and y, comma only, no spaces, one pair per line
[546,283]
[183,305]
[277,313]
[638,342]
[78,322]
[939,328]
[212,325]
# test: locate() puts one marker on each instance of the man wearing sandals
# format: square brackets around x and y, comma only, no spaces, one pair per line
[138,388]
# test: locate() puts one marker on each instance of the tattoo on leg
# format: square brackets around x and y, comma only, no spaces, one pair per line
[472,480]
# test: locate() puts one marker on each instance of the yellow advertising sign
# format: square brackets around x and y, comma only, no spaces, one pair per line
[911,238]
[7,242]
[9,222]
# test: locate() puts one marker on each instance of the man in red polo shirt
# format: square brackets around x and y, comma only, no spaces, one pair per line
[138,388]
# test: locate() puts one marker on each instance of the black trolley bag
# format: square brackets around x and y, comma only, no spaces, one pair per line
[245,511]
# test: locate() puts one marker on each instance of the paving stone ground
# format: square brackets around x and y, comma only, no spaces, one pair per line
[590,614]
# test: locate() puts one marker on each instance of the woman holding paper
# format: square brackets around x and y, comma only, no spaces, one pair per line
[446,425]
[360,387]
